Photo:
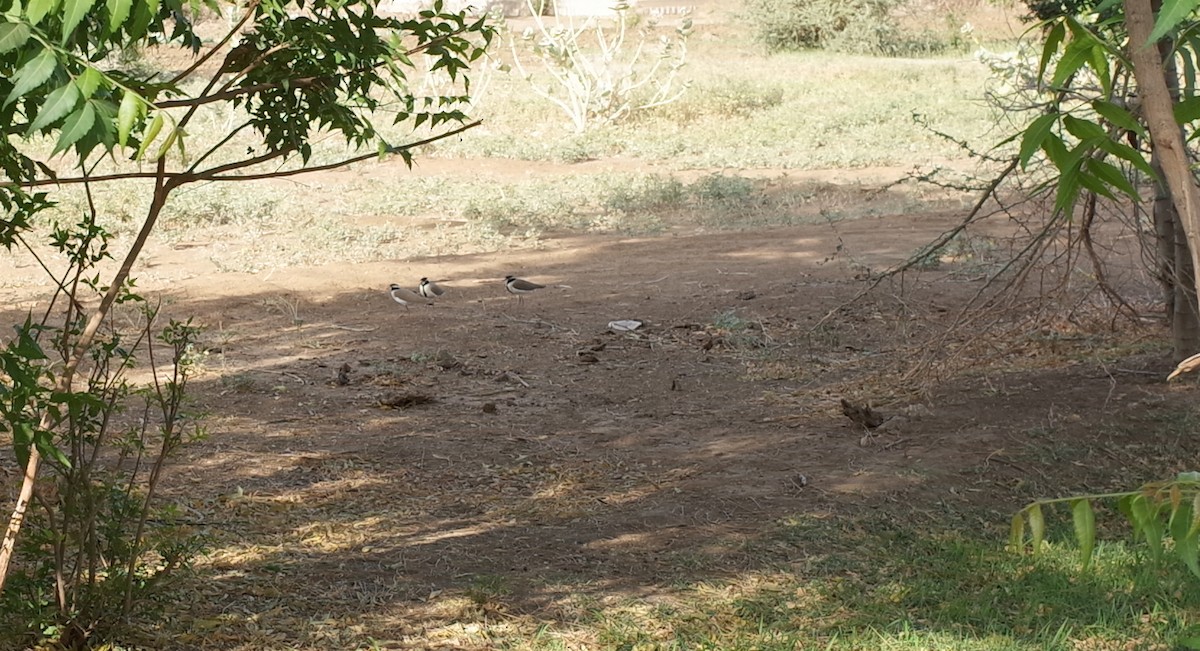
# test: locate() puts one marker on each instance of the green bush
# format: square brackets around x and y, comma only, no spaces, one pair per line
[850,26]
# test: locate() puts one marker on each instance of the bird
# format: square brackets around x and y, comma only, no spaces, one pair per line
[430,289]
[404,296]
[520,286]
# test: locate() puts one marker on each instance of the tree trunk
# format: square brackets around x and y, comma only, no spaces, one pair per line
[1175,269]
[1167,142]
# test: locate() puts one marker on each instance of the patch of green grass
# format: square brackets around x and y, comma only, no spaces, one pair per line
[877,583]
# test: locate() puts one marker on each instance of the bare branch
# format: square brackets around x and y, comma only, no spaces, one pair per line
[216,48]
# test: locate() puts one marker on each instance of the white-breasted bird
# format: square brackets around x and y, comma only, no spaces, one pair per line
[520,286]
[404,296]
[430,289]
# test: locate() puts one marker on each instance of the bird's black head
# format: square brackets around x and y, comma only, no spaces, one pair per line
[509,277]
[424,280]
[393,287]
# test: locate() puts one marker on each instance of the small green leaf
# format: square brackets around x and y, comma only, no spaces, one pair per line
[156,125]
[166,146]
[1085,530]
[58,103]
[75,127]
[131,109]
[118,13]
[89,81]
[1035,135]
[73,13]
[13,36]
[1053,39]
[1037,527]
[1016,534]
[31,75]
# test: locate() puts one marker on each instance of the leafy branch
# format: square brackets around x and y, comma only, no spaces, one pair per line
[1158,511]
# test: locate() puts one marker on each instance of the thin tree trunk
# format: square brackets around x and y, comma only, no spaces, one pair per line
[1175,268]
[1168,144]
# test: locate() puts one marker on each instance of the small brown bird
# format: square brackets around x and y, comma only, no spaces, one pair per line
[520,286]
[430,289]
[862,414]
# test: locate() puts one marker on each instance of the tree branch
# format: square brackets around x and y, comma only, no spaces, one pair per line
[216,48]
[217,173]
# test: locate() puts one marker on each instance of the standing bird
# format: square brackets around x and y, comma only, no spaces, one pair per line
[430,289]
[520,286]
[404,296]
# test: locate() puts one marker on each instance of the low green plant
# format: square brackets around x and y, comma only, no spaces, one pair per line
[100,546]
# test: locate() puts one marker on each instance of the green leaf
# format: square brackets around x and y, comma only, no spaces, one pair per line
[1172,13]
[1075,57]
[156,125]
[1185,538]
[1055,150]
[1119,116]
[73,13]
[1037,527]
[13,35]
[1035,135]
[131,109]
[1085,530]
[1111,176]
[1053,39]
[1125,152]
[1145,515]
[1187,110]
[44,442]
[118,13]
[1016,534]
[1083,129]
[31,75]
[59,103]
[22,432]
[75,127]
[89,81]
[166,146]
[36,10]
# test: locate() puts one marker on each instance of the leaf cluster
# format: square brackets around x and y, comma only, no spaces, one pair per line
[1158,512]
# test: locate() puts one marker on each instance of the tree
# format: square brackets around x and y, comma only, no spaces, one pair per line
[1097,107]
[297,70]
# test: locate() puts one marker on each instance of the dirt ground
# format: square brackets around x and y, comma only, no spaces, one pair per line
[550,456]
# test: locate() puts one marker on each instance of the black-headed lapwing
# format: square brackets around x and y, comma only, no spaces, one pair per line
[520,286]
[404,296]
[430,289]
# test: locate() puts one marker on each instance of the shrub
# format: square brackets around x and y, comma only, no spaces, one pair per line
[850,26]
